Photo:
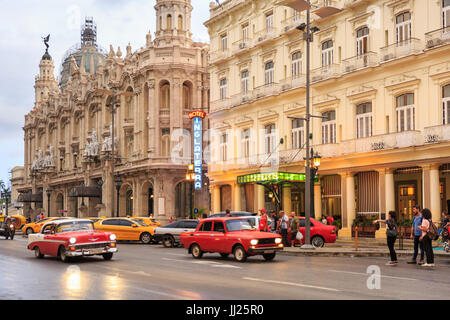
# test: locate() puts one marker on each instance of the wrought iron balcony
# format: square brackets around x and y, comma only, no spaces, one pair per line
[400,49]
[366,60]
[437,37]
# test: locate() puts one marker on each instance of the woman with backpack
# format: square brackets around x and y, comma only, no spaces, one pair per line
[391,236]
[427,237]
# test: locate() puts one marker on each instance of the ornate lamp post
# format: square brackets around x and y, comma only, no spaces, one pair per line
[190,177]
[314,163]
[118,183]
[100,183]
[49,192]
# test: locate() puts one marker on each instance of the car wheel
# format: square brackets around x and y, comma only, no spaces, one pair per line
[317,242]
[107,256]
[239,254]
[29,231]
[168,241]
[146,238]
[224,255]
[62,255]
[269,256]
[197,253]
[37,253]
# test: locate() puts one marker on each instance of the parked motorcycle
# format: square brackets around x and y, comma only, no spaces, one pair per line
[7,229]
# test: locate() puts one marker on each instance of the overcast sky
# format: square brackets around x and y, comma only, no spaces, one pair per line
[22,25]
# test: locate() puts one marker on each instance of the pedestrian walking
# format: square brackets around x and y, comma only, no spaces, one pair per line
[264,221]
[415,235]
[284,228]
[426,240]
[391,236]
[275,219]
[295,223]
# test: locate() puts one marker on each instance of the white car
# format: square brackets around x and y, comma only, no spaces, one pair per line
[169,234]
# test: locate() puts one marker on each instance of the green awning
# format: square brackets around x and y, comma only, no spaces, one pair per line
[273,178]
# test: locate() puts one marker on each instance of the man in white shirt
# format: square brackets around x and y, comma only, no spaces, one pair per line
[284,228]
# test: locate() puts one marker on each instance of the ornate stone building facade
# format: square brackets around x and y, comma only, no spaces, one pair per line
[68,159]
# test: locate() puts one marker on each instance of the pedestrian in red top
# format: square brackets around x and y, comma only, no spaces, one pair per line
[263,223]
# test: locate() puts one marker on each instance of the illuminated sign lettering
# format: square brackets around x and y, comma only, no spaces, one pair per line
[197,117]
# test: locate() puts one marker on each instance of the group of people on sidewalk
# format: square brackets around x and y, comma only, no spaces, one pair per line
[422,234]
[282,225]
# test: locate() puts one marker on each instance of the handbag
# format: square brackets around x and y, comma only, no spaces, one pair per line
[299,236]
[392,230]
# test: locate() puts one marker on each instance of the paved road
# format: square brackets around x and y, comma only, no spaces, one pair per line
[154,272]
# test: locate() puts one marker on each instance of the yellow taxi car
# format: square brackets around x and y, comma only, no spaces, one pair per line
[35,227]
[126,229]
[95,219]
[148,221]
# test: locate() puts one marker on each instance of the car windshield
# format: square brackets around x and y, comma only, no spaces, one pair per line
[239,225]
[74,226]
[140,222]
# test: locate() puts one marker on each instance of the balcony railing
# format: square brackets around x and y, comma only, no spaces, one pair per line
[218,55]
[240,98]
[400,49]
[266,90]
[436,134]
[224,7]
[266,34]
[325,73]
[241,45]
[219,105]
[293,82]
[438,37]
[369,59]
[290,24]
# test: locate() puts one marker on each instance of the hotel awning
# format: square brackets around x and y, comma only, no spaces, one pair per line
[273,178]
[85,192]
[29,197]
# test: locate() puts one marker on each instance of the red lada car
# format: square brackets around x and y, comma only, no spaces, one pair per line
[320,233]
[72,238]
[231,235]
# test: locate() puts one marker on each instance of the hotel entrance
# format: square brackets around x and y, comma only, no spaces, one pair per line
[407,199]
[408,191]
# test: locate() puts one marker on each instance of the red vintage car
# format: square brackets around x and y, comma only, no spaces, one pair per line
[320,233]
[238,236]
[72,238]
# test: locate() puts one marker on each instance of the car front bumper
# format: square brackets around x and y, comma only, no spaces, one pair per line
[264,250]
[90,252]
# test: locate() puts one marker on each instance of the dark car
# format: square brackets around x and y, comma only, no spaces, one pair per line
[169,234]
[232,214]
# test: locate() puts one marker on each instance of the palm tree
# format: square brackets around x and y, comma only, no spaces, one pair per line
[5,192]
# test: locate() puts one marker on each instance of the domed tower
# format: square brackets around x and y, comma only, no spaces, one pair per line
[87,55]
[173,23]
[45,82]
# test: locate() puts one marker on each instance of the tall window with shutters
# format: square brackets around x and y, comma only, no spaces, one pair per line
[244,32]
[446,104]
[223,147]
[403,26]
[362,41]
[223,88]
[224,42]
[269,73]
[245,143]
[269,22]
[364,120]
[405,112]
[270,138]
[298,133]
[244,81]
[327,53]
[296,64]
[329,127]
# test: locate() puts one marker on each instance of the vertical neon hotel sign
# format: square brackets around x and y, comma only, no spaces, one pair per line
[197,117]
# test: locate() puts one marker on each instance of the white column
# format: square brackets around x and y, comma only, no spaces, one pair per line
[317,200]
[390,191]
[215,199]
[350,188]
[287,201]
[435,196]
[259,191]
[236,206]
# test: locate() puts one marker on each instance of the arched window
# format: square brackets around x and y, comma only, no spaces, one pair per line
[327,53]
[446,104]
[187,96]
[364,120]
[180,22]
[165,142]
[403,26]
[296,64]
[329,127]
[362,41]
[169,22]
[129,201]
[269,73]
[405,112]
[165,96]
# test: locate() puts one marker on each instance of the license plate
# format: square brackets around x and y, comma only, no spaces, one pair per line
[93,251]
[269,251]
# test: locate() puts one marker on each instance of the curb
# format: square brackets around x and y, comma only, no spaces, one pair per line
[353,254]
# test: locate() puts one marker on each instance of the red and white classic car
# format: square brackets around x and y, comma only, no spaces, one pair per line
[72,238]
[238,236]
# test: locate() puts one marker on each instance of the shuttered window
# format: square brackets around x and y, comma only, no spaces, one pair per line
[368,193]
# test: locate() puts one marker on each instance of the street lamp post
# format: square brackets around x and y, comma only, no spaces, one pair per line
[118,183]
[314,163]
[190,177]
[49,192]
[308,31]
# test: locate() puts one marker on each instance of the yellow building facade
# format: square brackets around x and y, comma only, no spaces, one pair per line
[380,77]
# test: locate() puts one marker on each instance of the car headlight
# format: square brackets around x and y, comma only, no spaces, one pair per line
[277,240]
[254,242]
[112,237]
[72,240]
[11,226]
